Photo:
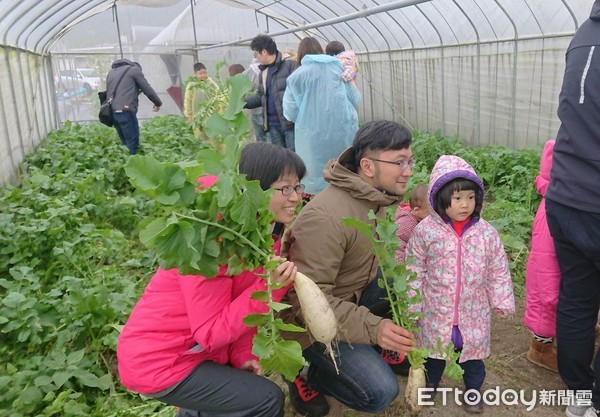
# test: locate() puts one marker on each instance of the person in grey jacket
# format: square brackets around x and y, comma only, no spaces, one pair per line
[125,100]
[573,215]
[274,70]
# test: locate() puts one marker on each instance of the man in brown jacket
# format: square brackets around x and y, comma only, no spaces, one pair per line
[370,175]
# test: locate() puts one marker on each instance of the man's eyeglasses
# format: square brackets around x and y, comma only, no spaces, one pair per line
[402,164]
[289,189]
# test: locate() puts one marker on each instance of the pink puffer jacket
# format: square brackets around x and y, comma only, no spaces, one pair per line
[183,320]
[542,276]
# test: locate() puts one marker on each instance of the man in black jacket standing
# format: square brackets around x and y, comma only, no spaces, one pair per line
[125,100]
[275,69]
[573,213]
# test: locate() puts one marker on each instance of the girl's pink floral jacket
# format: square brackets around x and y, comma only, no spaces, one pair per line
[461,278]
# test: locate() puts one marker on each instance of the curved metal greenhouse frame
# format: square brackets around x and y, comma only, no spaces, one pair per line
[487,70]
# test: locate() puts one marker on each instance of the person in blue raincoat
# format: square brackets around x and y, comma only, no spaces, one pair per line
[323,108]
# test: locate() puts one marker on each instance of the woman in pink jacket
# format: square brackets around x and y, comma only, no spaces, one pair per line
[185,343]
[542,277]
[462,273]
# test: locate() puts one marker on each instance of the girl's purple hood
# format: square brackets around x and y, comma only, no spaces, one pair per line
[447,168]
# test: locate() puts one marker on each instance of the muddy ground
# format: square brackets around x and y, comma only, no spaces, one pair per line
[507,367]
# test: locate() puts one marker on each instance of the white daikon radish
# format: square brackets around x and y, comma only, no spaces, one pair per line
[416,381]
[317,312]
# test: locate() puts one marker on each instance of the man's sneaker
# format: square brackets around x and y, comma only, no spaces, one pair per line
[592,412]
[397,361]
[307,401]
[577,410]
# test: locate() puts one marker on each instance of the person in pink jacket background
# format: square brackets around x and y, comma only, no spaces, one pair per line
[185,343]
[462,273]
[542,277]
[408,216]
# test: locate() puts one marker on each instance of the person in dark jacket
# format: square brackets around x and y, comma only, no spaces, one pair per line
[573,213]
[274,70]
[125,100]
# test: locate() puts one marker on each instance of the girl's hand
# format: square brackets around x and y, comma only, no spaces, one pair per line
[285,273]
[251,366]
[500,312]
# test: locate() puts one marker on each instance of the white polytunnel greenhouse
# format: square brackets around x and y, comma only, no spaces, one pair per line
[486,70]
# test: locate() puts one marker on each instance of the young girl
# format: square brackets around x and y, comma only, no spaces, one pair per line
[185,343]
[542,278]
[462,273]
[347,58]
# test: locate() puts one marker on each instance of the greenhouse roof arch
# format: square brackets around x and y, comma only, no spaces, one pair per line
[366,25]
[488,71]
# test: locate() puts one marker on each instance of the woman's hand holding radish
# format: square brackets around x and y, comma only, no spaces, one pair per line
[285,273]
[394,338]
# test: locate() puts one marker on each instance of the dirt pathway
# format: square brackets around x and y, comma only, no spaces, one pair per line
[507,367]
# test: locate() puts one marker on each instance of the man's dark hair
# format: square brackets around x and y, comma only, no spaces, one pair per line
[261,42]
[375,137]
[334,47]
[199,66]
[267,163]
[443,198]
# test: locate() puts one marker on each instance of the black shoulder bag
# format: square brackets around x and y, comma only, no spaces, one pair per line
[105,114]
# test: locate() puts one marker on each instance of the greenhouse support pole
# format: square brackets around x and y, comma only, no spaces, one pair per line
[442,83]
[13,97]
[195,34]
[478,70]
[6,133]
[116,18]
[514,81]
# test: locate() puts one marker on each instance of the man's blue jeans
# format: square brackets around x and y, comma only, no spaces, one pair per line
[365,382]
[284,138]
[257,126]
[128,129]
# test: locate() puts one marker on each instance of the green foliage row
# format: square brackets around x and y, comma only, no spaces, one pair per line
[71,268]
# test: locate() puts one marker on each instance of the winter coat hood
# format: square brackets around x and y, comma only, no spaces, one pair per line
[121,62]
[446,169]
[595,14]
[543,179]
[320,59]
[337,174]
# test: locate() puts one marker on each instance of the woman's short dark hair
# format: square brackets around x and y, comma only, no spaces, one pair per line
[199,66]
[443,198]
[377,136]
[308,46]
[261,42]
[334,47]
[267,163]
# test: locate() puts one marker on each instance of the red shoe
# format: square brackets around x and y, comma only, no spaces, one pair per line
[307,401]
[397,361]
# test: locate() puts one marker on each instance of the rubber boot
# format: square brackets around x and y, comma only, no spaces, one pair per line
[543,354]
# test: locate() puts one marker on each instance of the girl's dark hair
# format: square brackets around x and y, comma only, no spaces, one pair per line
[374,137]
[443,198]
[334,47]
[308,46]
[199,66]
[267,163]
